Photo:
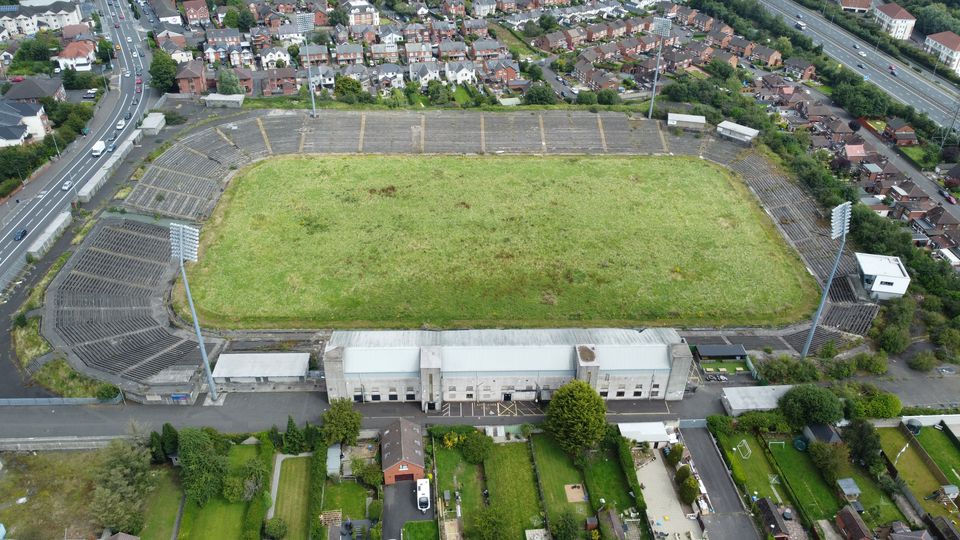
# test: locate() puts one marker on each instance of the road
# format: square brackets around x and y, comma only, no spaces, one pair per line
[43,198]
[938,99]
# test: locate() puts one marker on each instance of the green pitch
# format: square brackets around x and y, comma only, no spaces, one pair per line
[385,241]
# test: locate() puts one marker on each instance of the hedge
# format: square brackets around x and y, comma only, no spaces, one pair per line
[253,519]
[626,462]
[437,432]
[318,476]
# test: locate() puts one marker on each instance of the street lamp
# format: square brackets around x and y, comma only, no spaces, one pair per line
[839,227]
[661,28]
[184,241]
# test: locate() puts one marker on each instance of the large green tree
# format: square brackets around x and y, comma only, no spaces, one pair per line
[576,417]
[341,424]
[293,442]
[809,404]
[122,483]
[245,20]
[169,437]
[104,51]
[227,82]
[203,468]
[864,444]
[163,70]
[829,458]
[539,94]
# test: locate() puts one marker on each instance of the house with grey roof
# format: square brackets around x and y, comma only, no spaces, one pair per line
[401,452]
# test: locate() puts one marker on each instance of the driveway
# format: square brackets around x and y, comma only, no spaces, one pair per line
[399,507]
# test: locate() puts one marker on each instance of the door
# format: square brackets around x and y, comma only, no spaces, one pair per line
[403,477]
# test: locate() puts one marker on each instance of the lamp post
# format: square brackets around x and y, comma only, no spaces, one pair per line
[661,28]
[839,227]
[313,99]
[184,241]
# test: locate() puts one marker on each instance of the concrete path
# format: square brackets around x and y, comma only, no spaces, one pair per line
[275,481]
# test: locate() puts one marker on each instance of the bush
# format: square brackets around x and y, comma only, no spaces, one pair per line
[476,447]
[689,490]
[106,392]
[876,364]
[375,510]
[763,422]
[840,368]
[806,404]
[674,455]
[829,458]
[318,476]
[276,528]
[923,361]
[682,474]
[625,456]
[719,424]
[787,370]
[253,518]
[233,489]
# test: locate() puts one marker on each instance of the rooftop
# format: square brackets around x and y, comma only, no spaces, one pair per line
[262,365]
[501,338]
[881,265]
[894,11]
[754,398]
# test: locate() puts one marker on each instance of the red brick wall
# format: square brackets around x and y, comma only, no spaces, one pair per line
[390,475]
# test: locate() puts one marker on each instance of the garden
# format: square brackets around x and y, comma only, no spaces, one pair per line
[943,450]
[293,497]
[455,474]
[919,478]
[560,481]
[513,488]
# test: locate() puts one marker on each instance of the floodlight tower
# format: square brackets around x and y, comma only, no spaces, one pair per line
[313,102]
[839,227]
[661,28]
[184,241]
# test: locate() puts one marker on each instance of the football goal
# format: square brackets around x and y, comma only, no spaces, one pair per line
[743,448]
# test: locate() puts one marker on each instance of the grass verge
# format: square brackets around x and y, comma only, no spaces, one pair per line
[524,242]
[35,298]
[28,343]
[293,496]
[61,379]
[421,530]
[513,488]
[162,505]
[556,470]
[453,473]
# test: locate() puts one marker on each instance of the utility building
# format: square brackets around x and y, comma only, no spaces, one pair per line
[504,365]
[687,121]
[736,132]
[882,276]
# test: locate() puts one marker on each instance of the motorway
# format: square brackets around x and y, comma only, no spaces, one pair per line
[938,99]
[43,198]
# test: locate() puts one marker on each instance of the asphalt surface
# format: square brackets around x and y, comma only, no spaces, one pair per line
[43,198]
[938,99]
[400,506]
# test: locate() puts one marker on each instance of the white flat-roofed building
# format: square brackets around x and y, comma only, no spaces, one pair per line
[740,399]
[736,132]
[504,365]
[656,434]
[686,121]
[882,276]
[245,368]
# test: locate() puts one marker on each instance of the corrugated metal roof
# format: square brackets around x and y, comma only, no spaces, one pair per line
[501,338]
[262,365]
[754,398]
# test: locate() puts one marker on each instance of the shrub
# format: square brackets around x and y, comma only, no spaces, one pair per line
[625,456]
[375,510]
[253,518]
[922,361]
[682,474]
[872,363]
[840,368]
[829,458]
[787,370]
[674,455]
[763,422]
[106,392]
[276,528]
[476,447]
[318,476]
[719,424]
[805,404]
[233,489]
[20,320]
[689,490]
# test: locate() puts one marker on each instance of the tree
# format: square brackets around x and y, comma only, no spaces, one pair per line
[169,437]
[281,64]
[294,52]
[321,37]
[864,443]
[341,424]
[293,438]
[233,489]
[437,93]
[535,72]
[689,490]
[122,481]
[586,97]
[232,18]
[347,89]
[489,523]
[872,363]
[276,528]
[539,94]
[104,51]
[608,96]
[576,417]
[253,475]
[227,82]
[245,20]
[923,361]
[809,404]
[548,23]
[476,447]
[675,455]
[163,70]
[275,437]
[829,458]
[339,16]
[683,473]
[156,449]
[566,527]
[202,468]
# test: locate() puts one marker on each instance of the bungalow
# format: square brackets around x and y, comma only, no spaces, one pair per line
[501,70]
[196,12]
[899,131]
[177,53]
[453,50]
[766,55]
[349,53]
[417,52]
[191,77]
[460,73]
[475,27]
[280,82]
[453,8]
[384,52]
[483,8]
[799,68]
[486,49]
[424,72]
[401,452]
[168,35]
[314,54]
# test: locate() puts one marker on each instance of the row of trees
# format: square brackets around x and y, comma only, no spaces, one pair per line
[788,370]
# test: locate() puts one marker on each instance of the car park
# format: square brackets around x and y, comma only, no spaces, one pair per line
[21,234]
[66,185]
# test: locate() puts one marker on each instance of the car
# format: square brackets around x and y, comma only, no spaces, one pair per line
[894,73]
[21,234]
[863,54]
[861,66]
[112,147]
[117,47]
[122,17]
[139,90]
[128,115]
[559,78]
[121,124]
[116,25]
[139,79]
[136,101]
[799,15]
[129,39]
[947,196]
[139,72]
[855,46]
[66,185]
[126,73]
[113,136]
[892,67]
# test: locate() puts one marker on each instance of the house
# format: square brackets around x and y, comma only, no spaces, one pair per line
[360,12]
[290,34]
[937,221]
[730,59]
[196,12]
[168,35]
[71,31]
[855,6]
[596,32]
[166,11]
[453,50]
[703,22]
[271,58]
[575,37]
[366,33]
[741,47]
[31,89]
[416,33]
[24,20]
[390,76]
[883,277]
[280,82]
[314,55]
[507,6]
[475,27]
[401,452]
[501,70]
[78,55]
[484,8]
[384,52]
[417,52]
[908,191]
[602,80]
[900,531]
[772,520]
[898,130]
[223,36]
[453,8]
[245,77]
[390,34]
[552,41]
[946,47]
[442,30]
[424,72]
[851,525]
[799,68]
[766,55]
[486,49]
[349,53]
[359,73]
[460,73]
[22,122]
[191,77]
[894,20]
[716,38]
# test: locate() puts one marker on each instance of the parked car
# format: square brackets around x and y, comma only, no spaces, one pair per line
[947,196]
[20,235]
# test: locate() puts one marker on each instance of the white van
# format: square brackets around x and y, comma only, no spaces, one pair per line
[423,495]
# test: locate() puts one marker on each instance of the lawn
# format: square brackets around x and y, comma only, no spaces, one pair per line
[293,496]
[556,471]
[421,530]
[461,96]
[879,508]
[348,497]
[755,472]
[61,379]
[393,241]
[943,451]
[162,505]
[605,480]
[512,41]
[817,498]
[218,518]
[58,486]
[455,473]
[919,157]
[28,343]
[240,454]
[731,367]
[911,467]
[513,488]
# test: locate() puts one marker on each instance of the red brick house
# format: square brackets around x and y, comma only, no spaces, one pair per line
[851,525]
[401,452]
[741,47]
[196,12]
[715,38]
[245,76]
[192,77]
[501,70]
[800,68]
[766,55]
[899,131]
[908,191]
[453,8]
[280,82]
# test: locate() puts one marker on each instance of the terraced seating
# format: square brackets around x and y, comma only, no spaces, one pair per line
[821,337]
[851,318]
[248,138]
[284,132]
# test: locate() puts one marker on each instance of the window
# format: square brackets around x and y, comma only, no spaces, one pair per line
[409,389]
[470,388]
[887,283]
[637,393]
[655,393]
[620,393]
[358,398]
[469,395]
[603,393]
[411,397]
[375,397]
[404,467]
[656,386]
[452,389]
[394,397]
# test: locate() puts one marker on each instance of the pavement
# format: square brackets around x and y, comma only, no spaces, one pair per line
[399,507]
[666,513]
[924,91]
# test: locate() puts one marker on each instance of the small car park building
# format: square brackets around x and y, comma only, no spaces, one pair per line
[252,368]
[740,399]
[401,452]
[721,352]
[736,132]
[687,121]
[153,123]
[883,277]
